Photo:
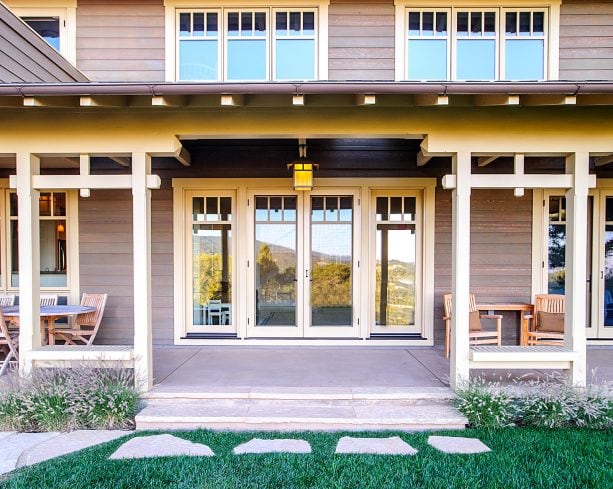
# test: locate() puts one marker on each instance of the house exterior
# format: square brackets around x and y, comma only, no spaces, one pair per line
[461,146]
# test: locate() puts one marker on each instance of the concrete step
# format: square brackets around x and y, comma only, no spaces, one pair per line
[290,415]
[408,394]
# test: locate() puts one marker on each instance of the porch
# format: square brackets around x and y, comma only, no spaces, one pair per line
[210,371]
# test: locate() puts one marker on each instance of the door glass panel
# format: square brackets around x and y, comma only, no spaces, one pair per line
[275,261]
[331,261]
[395,264]
[212,261]
[608,265]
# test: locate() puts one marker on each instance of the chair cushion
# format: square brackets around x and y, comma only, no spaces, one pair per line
[551,322]
[474,321]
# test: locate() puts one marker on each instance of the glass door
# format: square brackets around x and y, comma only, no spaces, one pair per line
[210,251]
[331,248]
[605,323]
[302,265]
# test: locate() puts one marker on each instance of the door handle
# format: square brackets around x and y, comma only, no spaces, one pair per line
[306,274]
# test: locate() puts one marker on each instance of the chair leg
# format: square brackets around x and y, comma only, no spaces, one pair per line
[447,338]
[5,365]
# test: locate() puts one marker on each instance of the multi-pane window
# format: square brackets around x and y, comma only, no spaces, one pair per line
[428,45]
[294,45]
[46,27]
[247,44]
[199,45]
[53,243]
[475,44]
[524,40]
[395,260]
[212,260]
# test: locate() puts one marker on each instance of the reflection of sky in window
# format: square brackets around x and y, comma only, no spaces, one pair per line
[400,246]
[283,235]
[332,239]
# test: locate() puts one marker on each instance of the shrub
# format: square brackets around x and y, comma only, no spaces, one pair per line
[485,406]
[66,399]
[549,403]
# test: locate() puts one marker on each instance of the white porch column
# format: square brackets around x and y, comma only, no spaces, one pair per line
[141,213]
[460,279]
[576,268]
[29,258]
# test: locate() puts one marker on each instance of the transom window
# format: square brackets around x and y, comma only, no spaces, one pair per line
[256,44]
[475,44]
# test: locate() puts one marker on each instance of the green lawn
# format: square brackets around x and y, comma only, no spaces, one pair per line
[527,458]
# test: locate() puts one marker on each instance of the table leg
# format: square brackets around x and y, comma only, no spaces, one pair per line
[51,326]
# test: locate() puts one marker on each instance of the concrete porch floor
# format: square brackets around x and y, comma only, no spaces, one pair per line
[207,369]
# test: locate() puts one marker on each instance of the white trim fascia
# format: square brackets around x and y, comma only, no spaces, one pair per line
[370,343]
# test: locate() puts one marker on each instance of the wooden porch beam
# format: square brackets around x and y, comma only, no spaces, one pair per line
[548,99]
[232,100]
[84,169]
[64,182]
[104,101]
[495,99]
[51,101]
[517,181]
[28,196]
[423,158]
[183,156]
[121,160]
[365,99]
[426,100]
[603,160]
[486,160]
[169,101]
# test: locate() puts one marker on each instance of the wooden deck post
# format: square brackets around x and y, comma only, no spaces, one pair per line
[460,281]
[29,258]
[576,269]
[141,211]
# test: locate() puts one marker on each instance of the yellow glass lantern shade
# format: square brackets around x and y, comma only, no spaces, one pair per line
[303,174]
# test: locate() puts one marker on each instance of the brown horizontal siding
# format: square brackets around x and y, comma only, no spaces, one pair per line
[105,234]
[501,253]
[361,40]
[586,40]
[121,40]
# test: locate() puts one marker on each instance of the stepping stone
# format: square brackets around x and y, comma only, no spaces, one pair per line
[282,445]
[66,443]
[160,446]
[375,446]
[12,446]
[458,444]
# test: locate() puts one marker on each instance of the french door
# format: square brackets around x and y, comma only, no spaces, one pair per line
[605,256]
[303,263]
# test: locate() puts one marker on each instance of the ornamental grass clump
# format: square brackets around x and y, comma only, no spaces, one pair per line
[485,405]
[545,403]
[67,399]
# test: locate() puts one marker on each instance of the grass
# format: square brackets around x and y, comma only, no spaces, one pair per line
[520,458]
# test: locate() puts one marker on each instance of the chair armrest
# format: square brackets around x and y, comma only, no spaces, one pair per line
[446,318]
[491,316]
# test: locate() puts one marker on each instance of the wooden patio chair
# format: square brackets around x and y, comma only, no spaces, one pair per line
[85,325]
[7,300]
[48,299]
[476,334]
[546,326]
[9,344]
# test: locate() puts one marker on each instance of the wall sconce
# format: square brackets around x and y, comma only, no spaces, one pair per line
[302,168]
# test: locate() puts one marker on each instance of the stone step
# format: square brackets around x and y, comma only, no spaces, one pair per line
[250,415]
[408,394]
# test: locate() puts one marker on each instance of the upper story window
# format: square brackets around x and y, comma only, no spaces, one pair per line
[476,42]
[56,24]
[247,43]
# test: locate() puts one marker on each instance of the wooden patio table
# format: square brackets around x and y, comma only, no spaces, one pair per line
[48,314]
[520,307]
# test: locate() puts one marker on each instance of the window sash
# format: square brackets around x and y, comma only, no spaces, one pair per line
[500,44]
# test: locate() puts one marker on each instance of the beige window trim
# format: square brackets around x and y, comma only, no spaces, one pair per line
[171,45]
[552,35]
[66,10]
